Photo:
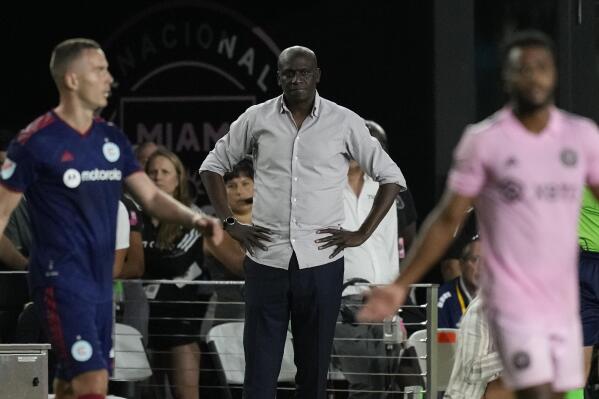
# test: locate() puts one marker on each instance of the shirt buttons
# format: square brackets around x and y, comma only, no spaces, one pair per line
[295,157]
[295,179]
[294,199]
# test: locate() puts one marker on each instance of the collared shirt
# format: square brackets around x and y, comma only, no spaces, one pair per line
[300,173]
[377,259]
[477,361]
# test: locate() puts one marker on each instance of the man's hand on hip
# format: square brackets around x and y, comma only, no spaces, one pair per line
[341,239]
[250,236]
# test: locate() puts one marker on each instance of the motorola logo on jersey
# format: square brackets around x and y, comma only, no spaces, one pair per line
[8,169]
[511,190]
[72,178]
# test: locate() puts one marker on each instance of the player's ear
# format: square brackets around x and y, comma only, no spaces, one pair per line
[70,80]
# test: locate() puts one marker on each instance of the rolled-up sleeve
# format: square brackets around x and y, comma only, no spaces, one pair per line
[232,147]
[367,151]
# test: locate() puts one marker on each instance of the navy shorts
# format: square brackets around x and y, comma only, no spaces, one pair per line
[588,272]
[79,331]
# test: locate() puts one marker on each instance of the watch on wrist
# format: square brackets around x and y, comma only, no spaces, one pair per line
[229,222]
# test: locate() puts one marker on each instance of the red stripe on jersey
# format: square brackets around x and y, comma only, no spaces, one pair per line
[35,127]
[57,337]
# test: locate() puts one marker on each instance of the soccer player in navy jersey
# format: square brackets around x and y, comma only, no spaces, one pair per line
[72,165]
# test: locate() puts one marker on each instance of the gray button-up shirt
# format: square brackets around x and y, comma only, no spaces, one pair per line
[300,174]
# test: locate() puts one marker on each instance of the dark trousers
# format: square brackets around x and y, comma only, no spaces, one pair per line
[311,299]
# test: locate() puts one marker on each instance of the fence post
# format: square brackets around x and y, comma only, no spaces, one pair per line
[431,341]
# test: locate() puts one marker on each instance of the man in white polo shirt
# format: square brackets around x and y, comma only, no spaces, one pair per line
[358,350]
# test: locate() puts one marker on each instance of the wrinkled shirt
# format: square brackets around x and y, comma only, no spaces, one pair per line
[300,174]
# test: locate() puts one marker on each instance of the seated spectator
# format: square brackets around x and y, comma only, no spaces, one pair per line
[174,252]
[477,365]
[450,265]
[225,261]
[455,295]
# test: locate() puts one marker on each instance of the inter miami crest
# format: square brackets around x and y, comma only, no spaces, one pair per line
[568,157]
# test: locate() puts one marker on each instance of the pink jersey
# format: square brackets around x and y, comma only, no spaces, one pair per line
[527,191]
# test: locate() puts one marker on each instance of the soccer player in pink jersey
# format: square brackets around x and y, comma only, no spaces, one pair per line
[523,169]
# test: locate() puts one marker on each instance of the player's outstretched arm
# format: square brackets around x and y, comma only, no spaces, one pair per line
[9,255]
[167,209]
[431,243]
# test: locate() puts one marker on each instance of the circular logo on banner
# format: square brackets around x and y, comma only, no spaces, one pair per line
[186,70]
[71,178]
[111,151]
[82,351]
[8,168]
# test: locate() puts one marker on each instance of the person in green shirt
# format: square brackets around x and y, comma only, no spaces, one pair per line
[588,239]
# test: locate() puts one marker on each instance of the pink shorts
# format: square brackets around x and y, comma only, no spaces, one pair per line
[533,356]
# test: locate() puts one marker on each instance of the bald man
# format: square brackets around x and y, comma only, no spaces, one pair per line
[302,145]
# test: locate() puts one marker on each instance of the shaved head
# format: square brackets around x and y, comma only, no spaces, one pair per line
[294,51]
[66,53]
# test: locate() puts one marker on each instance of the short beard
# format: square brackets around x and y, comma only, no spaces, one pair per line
[524,106]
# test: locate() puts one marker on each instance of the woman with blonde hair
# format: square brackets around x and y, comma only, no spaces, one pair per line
[174,252]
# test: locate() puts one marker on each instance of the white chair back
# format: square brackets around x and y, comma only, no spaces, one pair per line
[131,362]
[446,346]
[228,341]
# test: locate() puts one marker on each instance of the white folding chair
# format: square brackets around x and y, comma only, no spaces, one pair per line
[131,362]
[226,340]
[446,346]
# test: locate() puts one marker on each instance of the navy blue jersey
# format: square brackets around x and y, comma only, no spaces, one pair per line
[73,183]
[453,301]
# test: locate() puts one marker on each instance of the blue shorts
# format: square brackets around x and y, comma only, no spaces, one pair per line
[588,271]
[79,331]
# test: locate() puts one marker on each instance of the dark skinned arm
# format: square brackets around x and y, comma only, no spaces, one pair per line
[431,243]
[250,236]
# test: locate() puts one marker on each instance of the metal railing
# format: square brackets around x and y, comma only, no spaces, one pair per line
[130,344]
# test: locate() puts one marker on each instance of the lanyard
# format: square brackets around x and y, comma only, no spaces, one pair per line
[460,299]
